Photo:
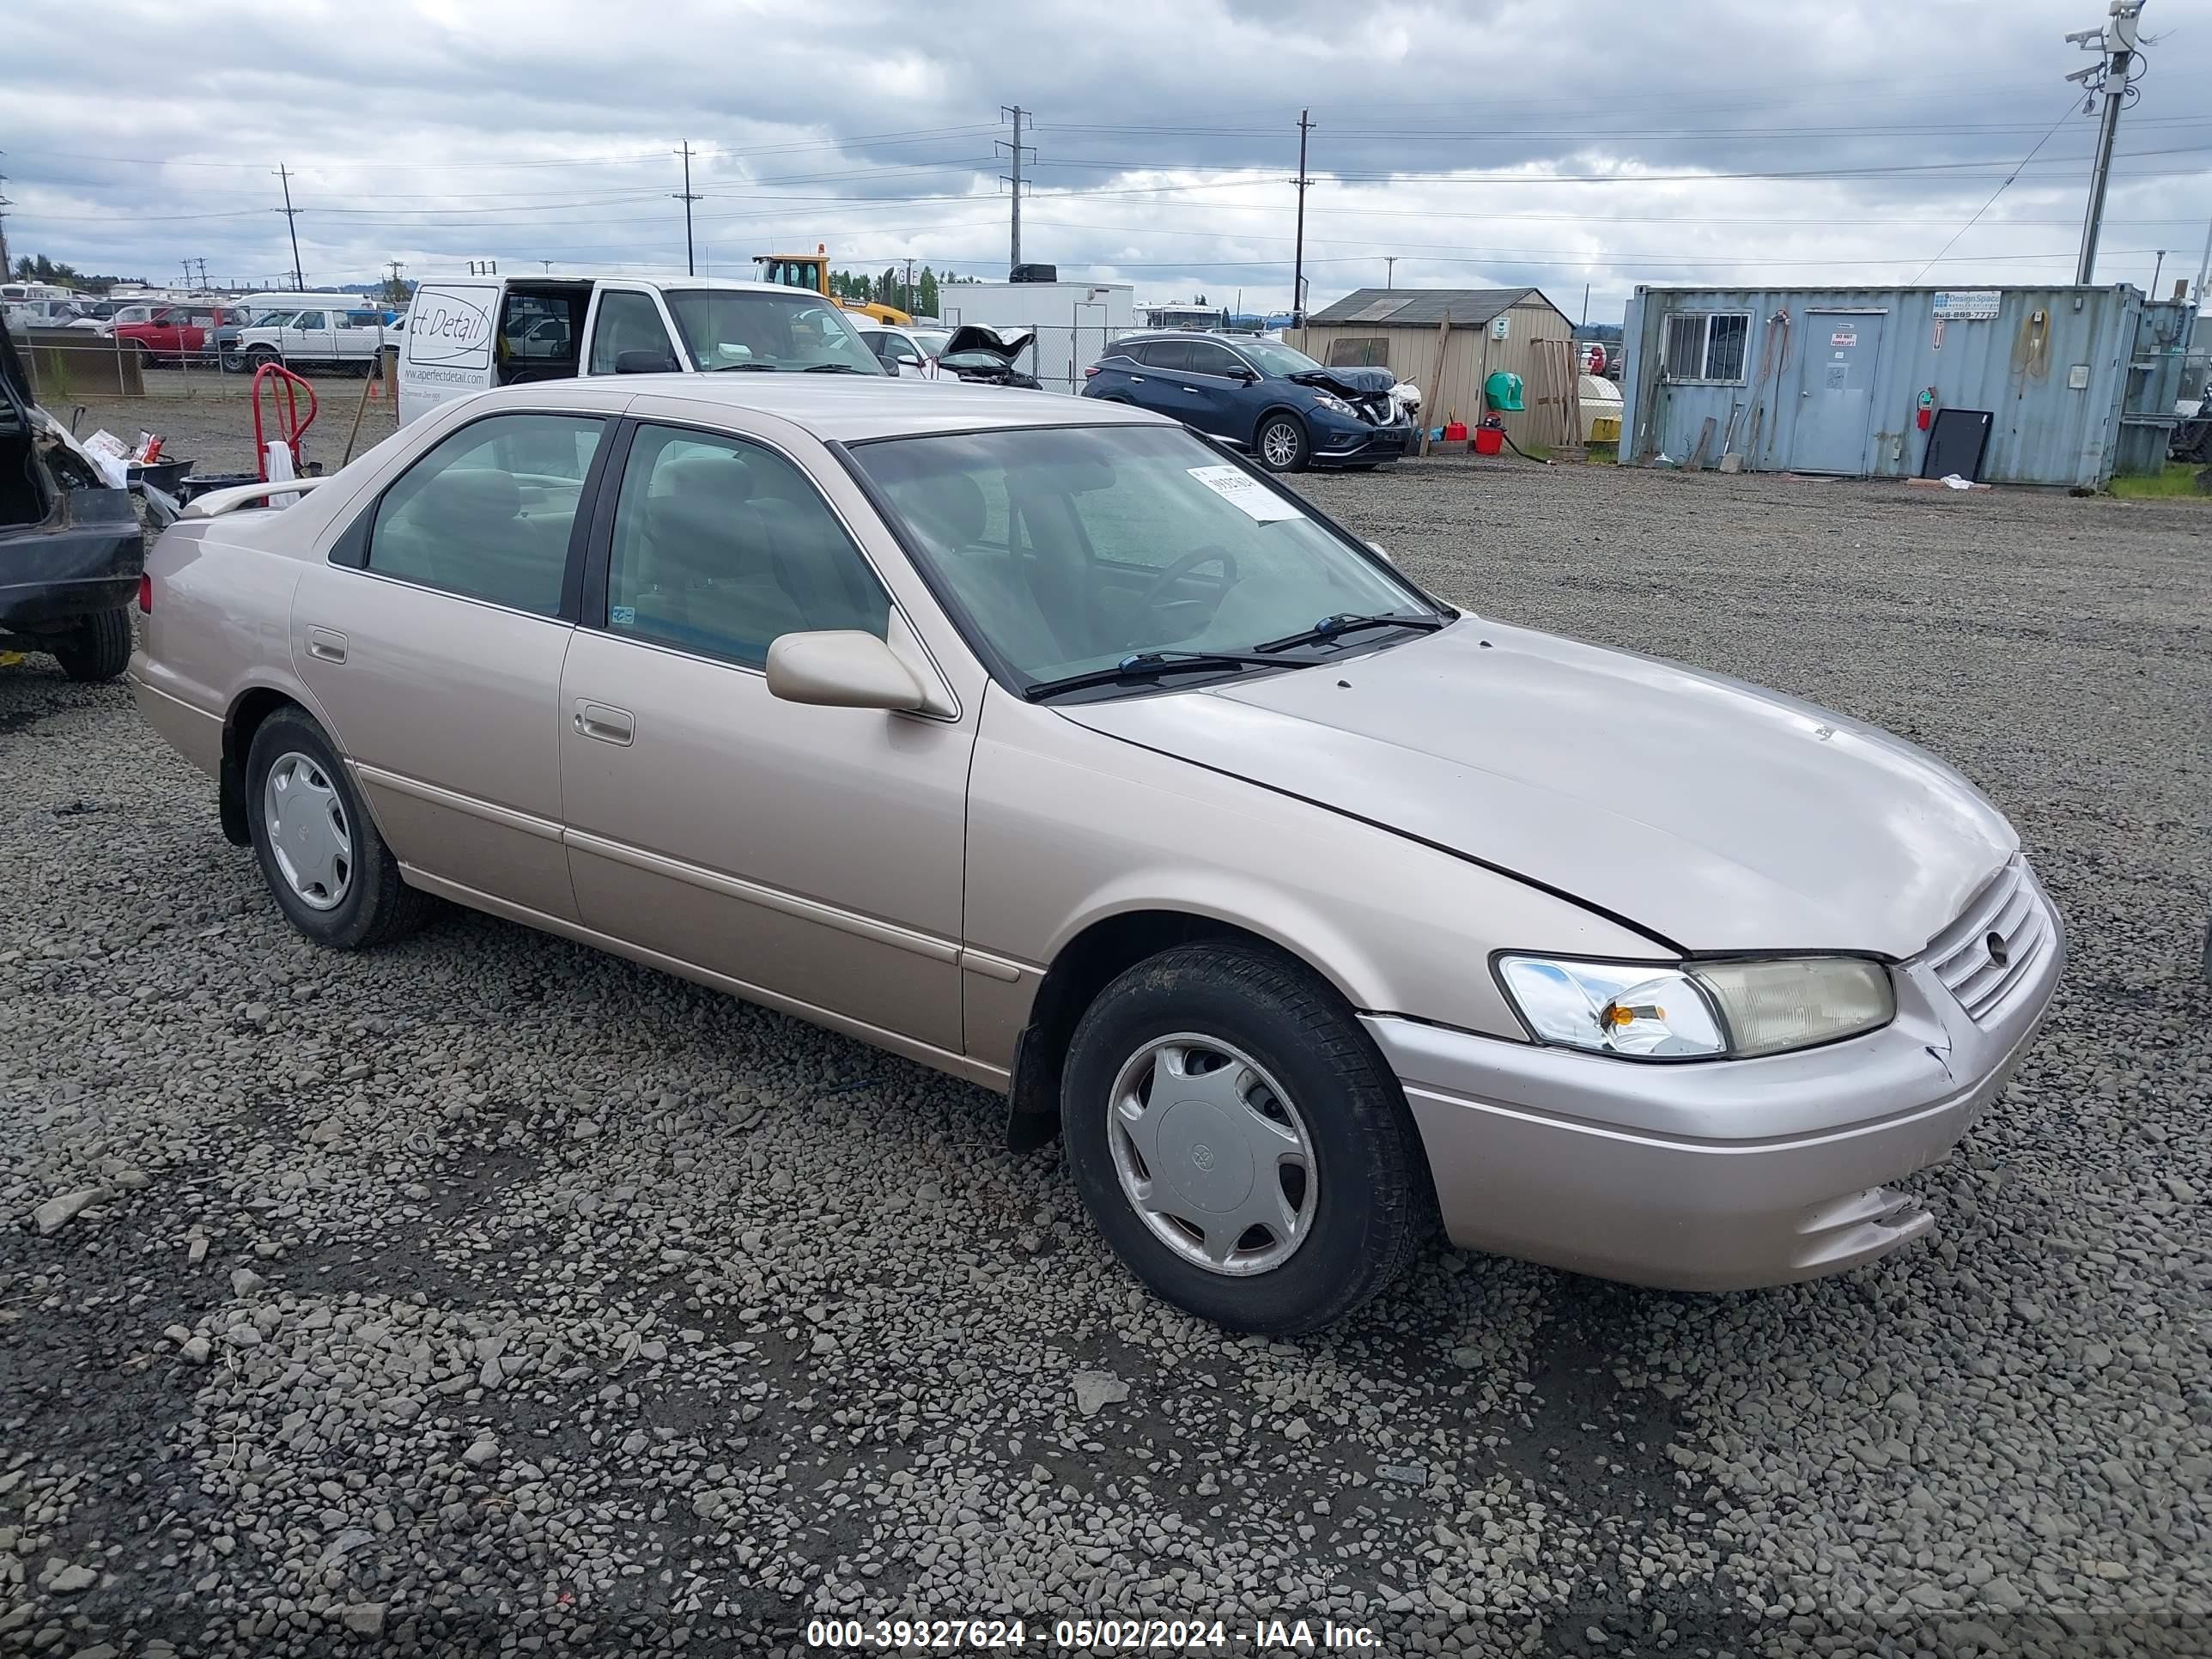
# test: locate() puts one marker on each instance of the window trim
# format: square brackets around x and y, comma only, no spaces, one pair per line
[597,565]
[1705,319]
[350,549]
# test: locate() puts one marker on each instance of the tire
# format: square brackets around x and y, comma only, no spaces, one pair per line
[373,906]
[1281,445]
[232,362]
[259,356]
[1364,1195]
[99,649]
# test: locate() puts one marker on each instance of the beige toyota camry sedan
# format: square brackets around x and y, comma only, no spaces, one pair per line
[1048,743]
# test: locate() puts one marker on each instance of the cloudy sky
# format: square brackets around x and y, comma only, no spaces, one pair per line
[1558,142]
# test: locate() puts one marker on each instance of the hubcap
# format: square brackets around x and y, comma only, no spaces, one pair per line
[308,831]
[1213,1154]
[1281,446]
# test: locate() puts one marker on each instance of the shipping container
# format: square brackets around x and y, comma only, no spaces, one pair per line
[2046,385]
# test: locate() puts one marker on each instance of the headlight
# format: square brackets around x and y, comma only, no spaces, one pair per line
[1738,1008]
[1330,400]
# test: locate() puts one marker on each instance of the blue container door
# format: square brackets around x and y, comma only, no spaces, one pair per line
[1835,392]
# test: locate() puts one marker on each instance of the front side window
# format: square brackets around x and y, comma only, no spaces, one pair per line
[752,329]
[721,547]
[308,319]
[1071,548]
[487,513]
[1207,358]
[899,347]
[627,322]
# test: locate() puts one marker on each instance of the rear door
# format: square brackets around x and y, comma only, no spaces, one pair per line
[1155,383]
[448,346]
[434,634]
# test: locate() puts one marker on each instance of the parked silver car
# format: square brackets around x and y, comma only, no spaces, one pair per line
[1050,745]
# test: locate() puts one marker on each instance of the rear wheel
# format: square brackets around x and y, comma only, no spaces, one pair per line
[99,646]
[1240,1141]
[332,875]
[1282,444]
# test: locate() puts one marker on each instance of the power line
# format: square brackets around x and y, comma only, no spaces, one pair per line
[1999,191]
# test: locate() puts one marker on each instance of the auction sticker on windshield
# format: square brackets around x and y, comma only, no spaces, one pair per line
[1243,490]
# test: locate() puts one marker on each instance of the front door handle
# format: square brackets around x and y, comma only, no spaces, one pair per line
[326,644]
[1192,390]
[605,723]
[1136,379]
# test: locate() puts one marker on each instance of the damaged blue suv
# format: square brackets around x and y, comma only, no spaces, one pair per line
[1286,409]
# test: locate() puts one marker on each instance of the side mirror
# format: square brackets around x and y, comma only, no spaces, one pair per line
[891,364]
[646,363]
[1241,373]
[1382,553]
[841,668]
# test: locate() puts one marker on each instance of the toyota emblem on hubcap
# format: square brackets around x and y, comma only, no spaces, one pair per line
[1202,1155]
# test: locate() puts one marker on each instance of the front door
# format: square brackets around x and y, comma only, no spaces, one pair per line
[810,853]
[1213,397]
[310,340]
[1835,392]
[433,637]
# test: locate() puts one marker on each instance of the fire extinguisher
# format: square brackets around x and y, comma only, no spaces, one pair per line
[1927,407]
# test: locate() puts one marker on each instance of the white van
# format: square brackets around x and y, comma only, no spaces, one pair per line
[471,334]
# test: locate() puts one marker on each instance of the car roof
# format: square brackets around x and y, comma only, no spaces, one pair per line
[844,408]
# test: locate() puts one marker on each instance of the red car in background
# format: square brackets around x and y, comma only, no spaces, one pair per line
[179,332]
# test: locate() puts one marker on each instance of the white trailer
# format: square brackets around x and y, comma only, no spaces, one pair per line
[1074,321]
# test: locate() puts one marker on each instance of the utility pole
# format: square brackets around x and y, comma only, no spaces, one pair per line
[394,291]
[292,223]
[908,308]
[548,264]
[1389,265]
[2117,44]
[690,268]
[6,269]
[2156,271]
[1298,253]
[2203,270]
[1014,177]
[1586,288]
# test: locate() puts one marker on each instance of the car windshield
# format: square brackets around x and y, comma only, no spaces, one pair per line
[730,328]
[1072,548]
[932,341]
[1274,358]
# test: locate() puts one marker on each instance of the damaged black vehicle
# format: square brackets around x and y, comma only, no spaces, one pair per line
[72,545]
[1262,395]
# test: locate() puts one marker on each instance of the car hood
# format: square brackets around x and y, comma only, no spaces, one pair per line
[1711,814]
[1008,343]
[1354,383]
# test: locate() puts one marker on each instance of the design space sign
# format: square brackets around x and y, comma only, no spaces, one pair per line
[1969,304]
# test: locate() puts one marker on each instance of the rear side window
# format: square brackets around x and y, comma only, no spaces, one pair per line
[627,322]
[1173,355]
[721,547]
[487,513]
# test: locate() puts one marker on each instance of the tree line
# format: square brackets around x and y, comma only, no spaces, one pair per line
[889,286]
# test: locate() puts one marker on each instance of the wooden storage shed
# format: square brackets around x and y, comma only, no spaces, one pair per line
[1490,329]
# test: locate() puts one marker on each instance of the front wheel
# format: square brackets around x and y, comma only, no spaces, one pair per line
[1239,1140]
[98,647]
[1282,444]
[332,875]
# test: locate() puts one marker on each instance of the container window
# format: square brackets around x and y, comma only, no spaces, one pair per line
[1707,346]
[1361,351]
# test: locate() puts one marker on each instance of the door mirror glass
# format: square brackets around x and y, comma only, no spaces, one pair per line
[841,668]
[891,364]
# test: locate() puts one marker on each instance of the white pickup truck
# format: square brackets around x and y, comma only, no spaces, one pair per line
[323,338]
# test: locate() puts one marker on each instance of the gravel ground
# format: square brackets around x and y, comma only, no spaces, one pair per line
[484,1294]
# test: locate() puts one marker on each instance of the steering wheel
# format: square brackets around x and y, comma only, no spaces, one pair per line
[1212,553]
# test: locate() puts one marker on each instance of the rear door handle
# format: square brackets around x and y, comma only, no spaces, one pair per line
[1192,390]
[326,644]
[605,723]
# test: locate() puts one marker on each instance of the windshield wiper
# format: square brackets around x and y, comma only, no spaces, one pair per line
[1330,627]
[831,369]
[1151,664]
[749,369]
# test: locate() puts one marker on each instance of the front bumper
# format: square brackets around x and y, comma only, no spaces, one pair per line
[1712,1175]
[1354,443]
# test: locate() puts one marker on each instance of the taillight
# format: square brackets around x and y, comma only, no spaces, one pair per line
[145,594]
[1090,371]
